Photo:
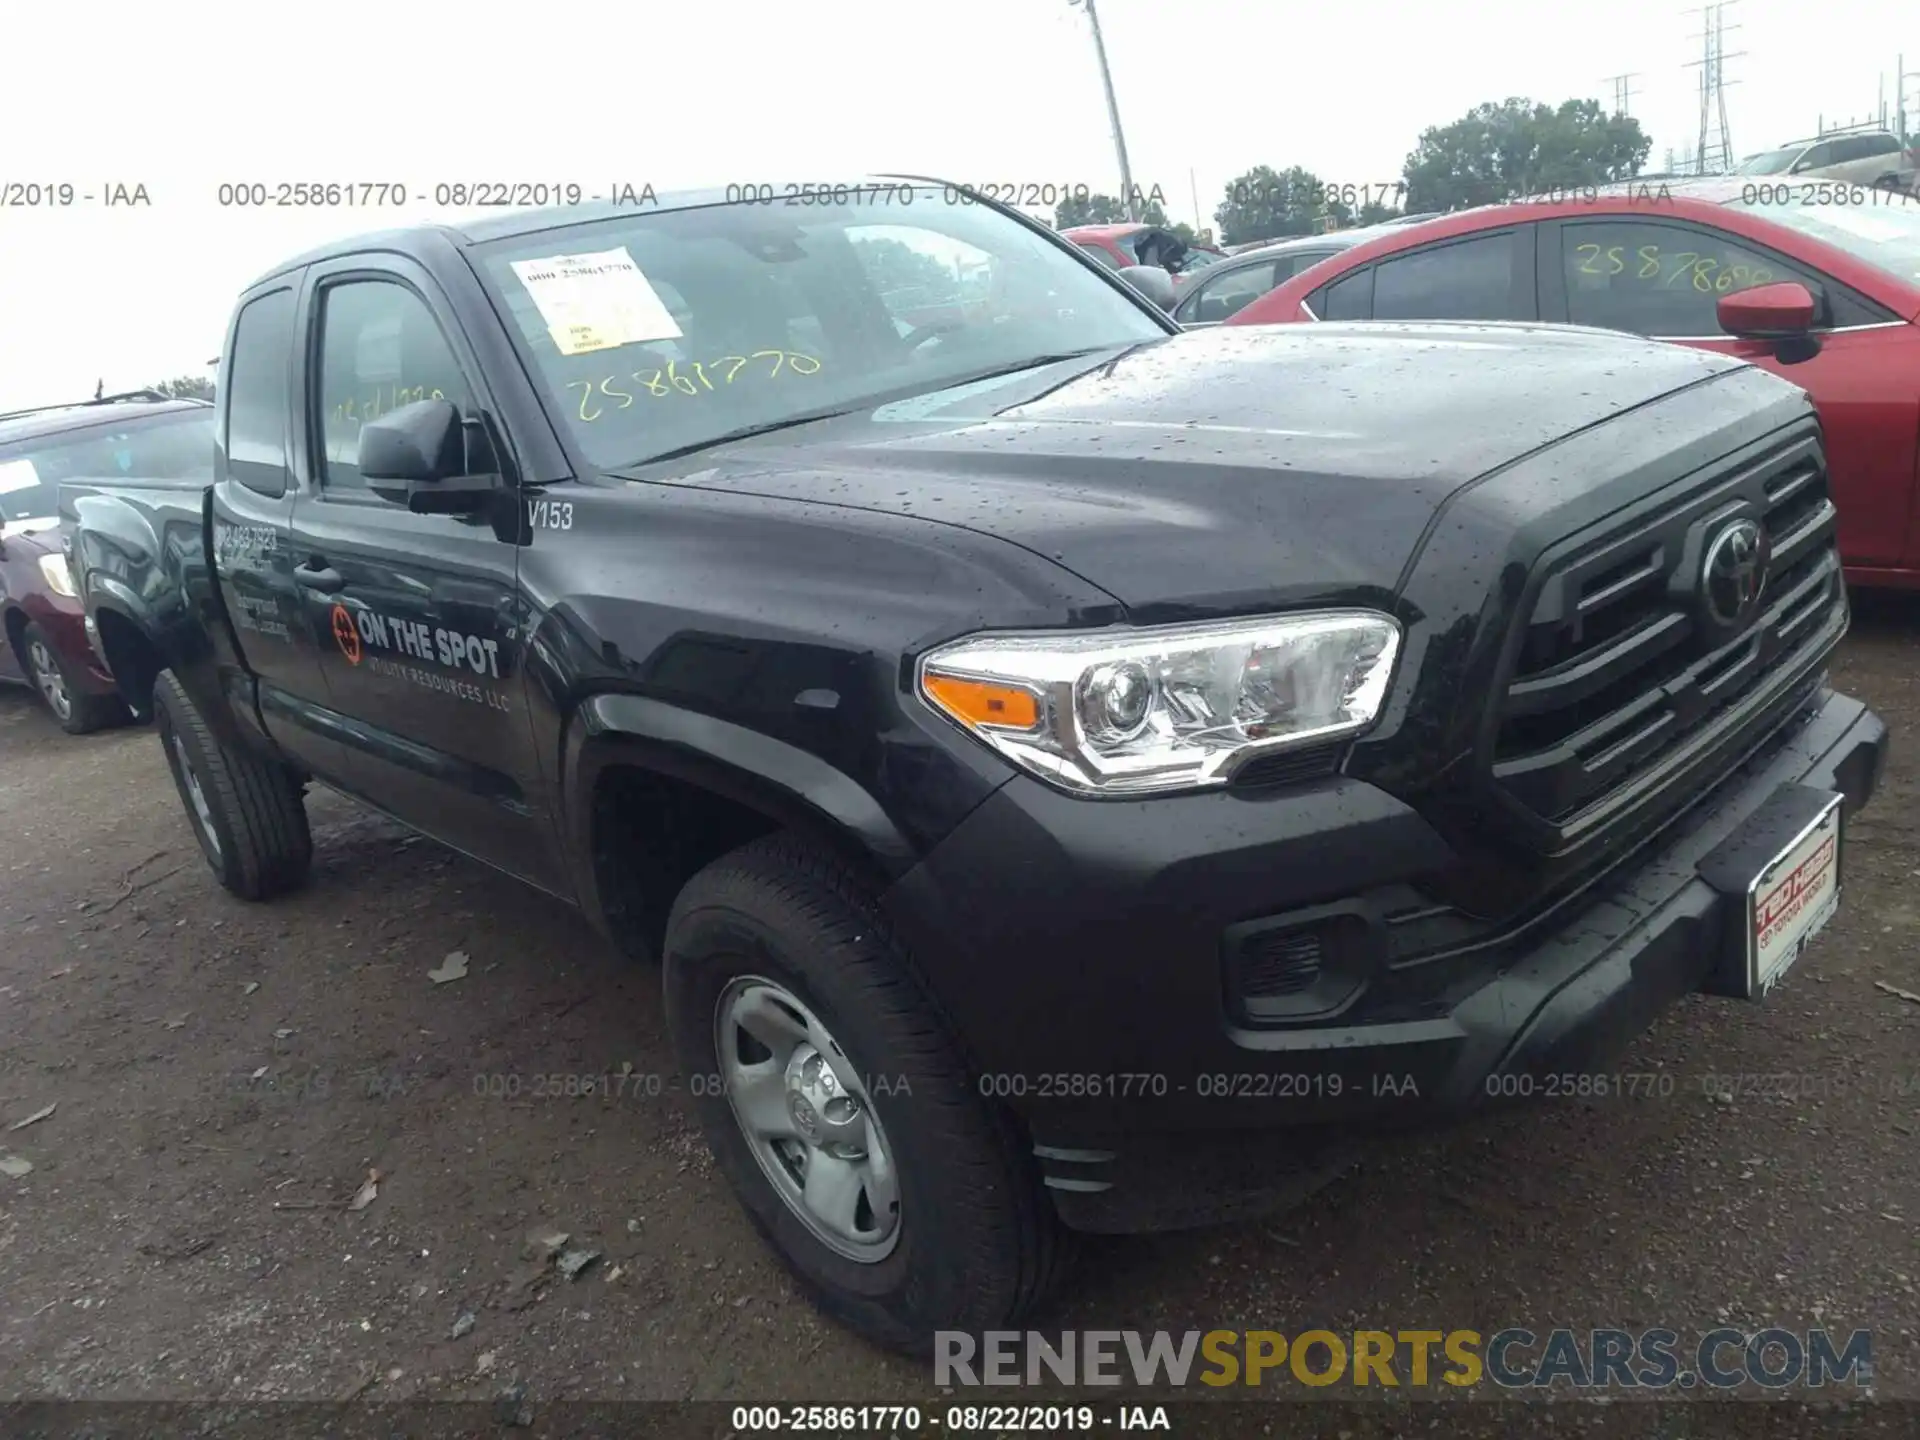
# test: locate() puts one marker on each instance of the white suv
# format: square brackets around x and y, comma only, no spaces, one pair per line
[1873,157]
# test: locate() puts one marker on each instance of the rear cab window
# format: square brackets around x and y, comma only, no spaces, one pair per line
[253,393]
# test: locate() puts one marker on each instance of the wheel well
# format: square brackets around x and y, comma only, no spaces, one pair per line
[17,623]
[132,659]
[651,834]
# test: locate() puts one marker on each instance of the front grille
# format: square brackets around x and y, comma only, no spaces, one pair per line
[1617,677]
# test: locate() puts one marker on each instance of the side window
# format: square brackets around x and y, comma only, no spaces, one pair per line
[1098,252]
[1865,147]
[1292,265]
[1465,280]
[1657,280]
[254,393]
[380,349]
[1818,157]
[1231,293]
[1350,298]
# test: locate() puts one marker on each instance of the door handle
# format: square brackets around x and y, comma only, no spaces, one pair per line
[319,577]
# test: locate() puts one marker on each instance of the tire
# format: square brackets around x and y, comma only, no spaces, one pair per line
[246,812]
[73,709]
[976,1244]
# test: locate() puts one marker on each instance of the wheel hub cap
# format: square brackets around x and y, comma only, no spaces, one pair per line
[47,673]
[196,797]
[807,1116]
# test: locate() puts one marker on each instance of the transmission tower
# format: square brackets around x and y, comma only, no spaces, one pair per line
[1716,137]
[1622,91]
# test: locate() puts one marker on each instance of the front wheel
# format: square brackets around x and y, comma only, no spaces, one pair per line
[838,1108]
[246,812]
[77,712]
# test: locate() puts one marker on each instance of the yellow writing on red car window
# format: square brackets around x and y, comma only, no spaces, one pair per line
[1676,269]
[695,377]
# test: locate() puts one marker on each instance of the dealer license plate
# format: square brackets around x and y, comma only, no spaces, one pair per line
[1792,900]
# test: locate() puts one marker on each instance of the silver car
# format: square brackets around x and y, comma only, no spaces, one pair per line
[1872,157]
[1230,285]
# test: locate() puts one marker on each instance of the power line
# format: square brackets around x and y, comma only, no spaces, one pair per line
[1623,91]
[1716,136]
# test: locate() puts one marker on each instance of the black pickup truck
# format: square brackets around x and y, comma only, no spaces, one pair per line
[1075,775]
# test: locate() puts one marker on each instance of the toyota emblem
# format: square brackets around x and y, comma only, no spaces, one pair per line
[1734,576]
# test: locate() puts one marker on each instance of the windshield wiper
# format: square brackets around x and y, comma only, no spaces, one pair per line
[1032,362]
[745,432]
[748,432]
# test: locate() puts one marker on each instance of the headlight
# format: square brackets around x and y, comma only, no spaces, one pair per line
[58,576]
[1165,708]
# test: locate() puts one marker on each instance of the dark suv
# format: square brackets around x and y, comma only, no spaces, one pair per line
[140,433]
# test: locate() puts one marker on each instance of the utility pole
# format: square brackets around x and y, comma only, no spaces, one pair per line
[1127,197]
[1900,98]
[1199,220]
[1622,91]
[1716,137]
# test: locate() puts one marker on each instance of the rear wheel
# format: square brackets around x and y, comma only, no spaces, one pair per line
[837,1105]
[76,711]
[246,812]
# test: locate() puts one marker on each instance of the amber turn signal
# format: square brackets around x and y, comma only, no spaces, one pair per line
[984,702]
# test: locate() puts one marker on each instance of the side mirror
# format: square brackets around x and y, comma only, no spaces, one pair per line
[418,456]
[1151,282]
[1782,311]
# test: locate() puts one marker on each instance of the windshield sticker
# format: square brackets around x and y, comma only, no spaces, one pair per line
[17,475]
[697,378]
[595,302]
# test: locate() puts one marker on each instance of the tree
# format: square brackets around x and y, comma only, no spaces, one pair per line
[187,387]
[897,268]
[1269,204]
[1094,209]
[1098,209]
[1521,147]
[1374,213]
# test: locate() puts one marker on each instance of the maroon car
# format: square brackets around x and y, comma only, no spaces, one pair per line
[143,433]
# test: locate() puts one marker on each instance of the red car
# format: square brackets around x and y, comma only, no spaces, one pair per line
[44,645]
[1118,246]
[1814,281]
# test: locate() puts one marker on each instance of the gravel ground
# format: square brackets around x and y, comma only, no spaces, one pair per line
[225,1075]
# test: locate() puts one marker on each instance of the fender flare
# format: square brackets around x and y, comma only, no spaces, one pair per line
[790,786]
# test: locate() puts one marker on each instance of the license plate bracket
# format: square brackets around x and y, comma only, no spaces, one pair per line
[1781,874]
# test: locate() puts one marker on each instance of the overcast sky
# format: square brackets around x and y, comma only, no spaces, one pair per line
[747,90]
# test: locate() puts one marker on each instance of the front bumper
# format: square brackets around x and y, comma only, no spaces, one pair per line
[1076,947]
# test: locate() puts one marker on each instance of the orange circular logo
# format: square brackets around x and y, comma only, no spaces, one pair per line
[346,634]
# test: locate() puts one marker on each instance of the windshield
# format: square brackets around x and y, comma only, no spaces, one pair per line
[1886,236]
[663,330]
[1772,162]
[1193,258]
[178,446]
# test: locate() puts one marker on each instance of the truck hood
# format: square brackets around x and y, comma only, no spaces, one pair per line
[1226,467]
